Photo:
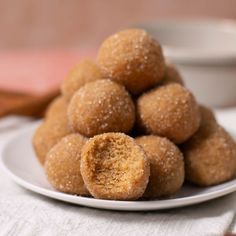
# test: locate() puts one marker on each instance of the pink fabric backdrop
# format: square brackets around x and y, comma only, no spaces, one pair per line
[72,23]
[37,72]
[28,24]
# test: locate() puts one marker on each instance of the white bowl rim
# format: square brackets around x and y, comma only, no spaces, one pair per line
[191,56]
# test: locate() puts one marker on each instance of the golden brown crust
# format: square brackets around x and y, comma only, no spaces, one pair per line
[114,167]
[169,111]
[172,75]
[62,165]
[101,106]
[207,117]
[82,73]
[210,155]
[48,134]
[133,58]
[166,163]
[57,108]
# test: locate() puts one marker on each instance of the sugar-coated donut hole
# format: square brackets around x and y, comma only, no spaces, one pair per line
[172,75]
[48,134]
[170,111]
[133,58]
[210,154]
[85,71]
[62,165]
[113,166]
[57,108]
[166,166]
[208,118]
[101,106]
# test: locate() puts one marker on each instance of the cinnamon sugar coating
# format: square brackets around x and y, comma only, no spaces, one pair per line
[57,108]
[169,111]
[133,58]
[50,132]
[166,165]
[210,154]
[82,73]
[62,165]
[101,106]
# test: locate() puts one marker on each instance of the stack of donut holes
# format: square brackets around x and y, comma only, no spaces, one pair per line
[125,127]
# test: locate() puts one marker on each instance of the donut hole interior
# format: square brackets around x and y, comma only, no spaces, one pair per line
[117,164]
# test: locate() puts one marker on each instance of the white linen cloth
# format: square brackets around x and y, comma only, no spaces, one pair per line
[26,213]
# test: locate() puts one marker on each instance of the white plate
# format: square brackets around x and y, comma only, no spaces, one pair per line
[20,164]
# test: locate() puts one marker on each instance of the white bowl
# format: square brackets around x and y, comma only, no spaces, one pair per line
[205,53]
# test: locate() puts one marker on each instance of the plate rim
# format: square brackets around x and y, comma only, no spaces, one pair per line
[150,205]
